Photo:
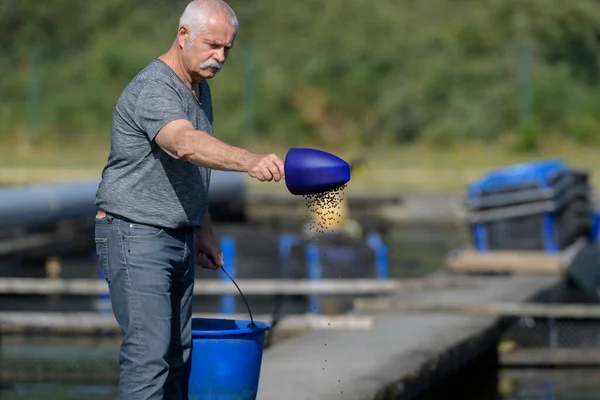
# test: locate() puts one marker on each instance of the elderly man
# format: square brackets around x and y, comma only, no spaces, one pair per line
[152,224]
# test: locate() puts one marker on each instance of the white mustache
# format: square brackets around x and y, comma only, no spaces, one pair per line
[211,64]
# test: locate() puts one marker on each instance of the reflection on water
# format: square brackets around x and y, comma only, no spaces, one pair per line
[32,368]
[563,384]
[89,369]
[521,384]
[58,368]
[420,250]
[58,391]
[511,385]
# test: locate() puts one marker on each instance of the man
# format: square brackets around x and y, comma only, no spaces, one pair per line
[152,223]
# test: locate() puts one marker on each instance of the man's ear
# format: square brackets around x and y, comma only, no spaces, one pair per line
[183,36]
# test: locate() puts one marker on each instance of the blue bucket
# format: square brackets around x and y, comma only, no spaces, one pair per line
[226,358]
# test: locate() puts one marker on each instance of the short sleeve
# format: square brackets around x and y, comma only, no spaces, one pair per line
[157,105]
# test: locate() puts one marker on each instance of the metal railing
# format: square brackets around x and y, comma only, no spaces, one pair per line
[314,287]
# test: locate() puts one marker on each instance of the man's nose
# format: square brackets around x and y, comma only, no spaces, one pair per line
[220,55]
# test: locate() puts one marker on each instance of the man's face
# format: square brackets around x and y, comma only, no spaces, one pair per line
[208,50]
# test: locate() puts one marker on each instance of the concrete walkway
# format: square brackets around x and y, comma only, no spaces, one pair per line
[402,355]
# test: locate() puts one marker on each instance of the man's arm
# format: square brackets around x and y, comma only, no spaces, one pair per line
[159,113]
[207,224]
[207,252]
[180,140]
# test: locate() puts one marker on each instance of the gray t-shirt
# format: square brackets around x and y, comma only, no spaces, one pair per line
[140,181]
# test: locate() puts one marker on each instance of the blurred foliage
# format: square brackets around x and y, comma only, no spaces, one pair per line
[331,72]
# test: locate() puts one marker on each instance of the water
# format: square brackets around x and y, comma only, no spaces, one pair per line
[483,380]
[60,369]
[58,391]
[568,384]
[571,384]
[544,384]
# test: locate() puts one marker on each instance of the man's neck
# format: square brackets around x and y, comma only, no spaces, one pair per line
[174,60]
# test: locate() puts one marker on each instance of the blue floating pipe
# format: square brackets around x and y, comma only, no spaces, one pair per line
[595,226]
[228,249]
[480,234]
[548,390]
[51,202]
[313,267]
[43,203]
[382,269]
[549,234]
[286,242]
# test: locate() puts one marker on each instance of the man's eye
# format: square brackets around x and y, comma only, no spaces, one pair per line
[213,46]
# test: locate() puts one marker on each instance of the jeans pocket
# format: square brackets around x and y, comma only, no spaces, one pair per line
[102,253]
[139,231]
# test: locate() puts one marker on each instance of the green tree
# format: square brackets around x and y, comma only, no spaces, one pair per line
[341,71]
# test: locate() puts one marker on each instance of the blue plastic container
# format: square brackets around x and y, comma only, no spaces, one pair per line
[537,173]
[531,206]
[595,227]
[226,359]
[311,171]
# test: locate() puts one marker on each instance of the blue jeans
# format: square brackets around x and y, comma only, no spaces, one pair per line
[150,275]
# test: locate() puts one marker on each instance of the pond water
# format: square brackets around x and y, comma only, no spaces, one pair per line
[572,384]
[58,391]
[64,369]
[534,384]
[569,384]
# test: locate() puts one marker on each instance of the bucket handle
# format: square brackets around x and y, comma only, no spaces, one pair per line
[242,294]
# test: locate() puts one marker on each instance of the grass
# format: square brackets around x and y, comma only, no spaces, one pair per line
[414,168]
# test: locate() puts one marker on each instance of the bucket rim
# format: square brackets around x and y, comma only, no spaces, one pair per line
[259,327]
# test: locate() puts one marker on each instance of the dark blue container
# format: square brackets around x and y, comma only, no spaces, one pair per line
[226,359]
[311,171]
[542,205]
[595,227]
[535,175]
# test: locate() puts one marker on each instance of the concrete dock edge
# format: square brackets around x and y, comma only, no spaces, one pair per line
[402,355]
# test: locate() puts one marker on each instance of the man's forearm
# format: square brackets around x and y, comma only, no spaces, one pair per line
[203,149]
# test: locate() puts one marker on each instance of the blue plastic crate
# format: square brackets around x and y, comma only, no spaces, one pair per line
[543,193]
[550,225]
[537,173]
[547,234]
[595,227]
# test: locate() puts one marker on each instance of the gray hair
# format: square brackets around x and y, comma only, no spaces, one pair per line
[197,13]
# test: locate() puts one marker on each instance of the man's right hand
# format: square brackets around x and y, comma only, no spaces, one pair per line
[266,167]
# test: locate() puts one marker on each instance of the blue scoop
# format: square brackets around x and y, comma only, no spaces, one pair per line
[311,171]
